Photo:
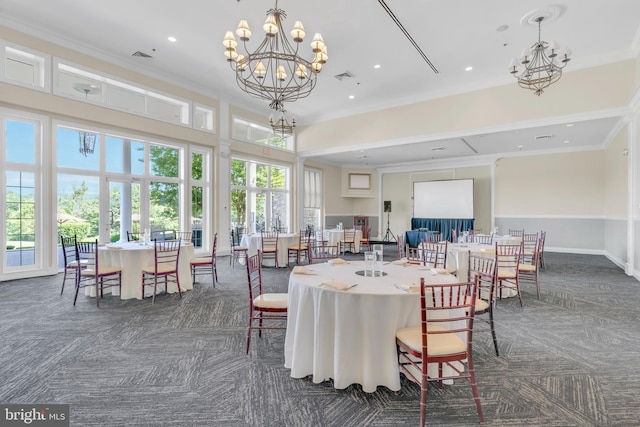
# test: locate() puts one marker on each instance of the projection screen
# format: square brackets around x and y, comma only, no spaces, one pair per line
[443,199]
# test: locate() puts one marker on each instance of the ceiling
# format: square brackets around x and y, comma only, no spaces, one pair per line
[453,34]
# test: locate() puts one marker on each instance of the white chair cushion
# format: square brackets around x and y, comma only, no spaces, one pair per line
[438,344]
[481,305]
[298,248]
[271,301]
[101,271]
[162,269]
[506,273]
[201,261]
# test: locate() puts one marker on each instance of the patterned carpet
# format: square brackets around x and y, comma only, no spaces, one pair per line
[570,359]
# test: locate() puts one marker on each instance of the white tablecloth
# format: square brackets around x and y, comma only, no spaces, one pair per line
[349,335]
[131,257]
[334,236]
[254,243]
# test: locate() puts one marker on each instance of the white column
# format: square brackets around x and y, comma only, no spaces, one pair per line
[633,188]
[223,188]
[298,205]
[223,182]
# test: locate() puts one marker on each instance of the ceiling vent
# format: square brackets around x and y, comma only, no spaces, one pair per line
[345,75]
[139,54]
[539,137]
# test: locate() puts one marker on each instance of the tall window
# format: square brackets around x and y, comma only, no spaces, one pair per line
[21,177]
[260,196]
[312,198]
[129,184]
[260,134]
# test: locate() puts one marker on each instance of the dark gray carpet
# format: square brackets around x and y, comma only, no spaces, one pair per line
[570,359]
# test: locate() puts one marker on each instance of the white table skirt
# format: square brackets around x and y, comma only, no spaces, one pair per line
[131,257]
[349,336]
[254,243]
[333,237]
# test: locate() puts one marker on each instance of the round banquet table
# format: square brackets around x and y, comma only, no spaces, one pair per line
[334,236]
[349,335]
[254,243]
[131,257]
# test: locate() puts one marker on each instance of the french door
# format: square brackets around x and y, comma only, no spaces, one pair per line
[122,210]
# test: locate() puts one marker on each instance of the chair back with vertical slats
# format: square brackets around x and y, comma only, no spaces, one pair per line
[319,252]
[444,337]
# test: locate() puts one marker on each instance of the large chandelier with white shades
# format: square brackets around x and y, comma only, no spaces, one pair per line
[541,65]
[275,71]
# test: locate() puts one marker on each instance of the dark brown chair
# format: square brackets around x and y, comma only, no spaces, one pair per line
[206,265]
[400,245]
[507,261]
[270,245]
[184,236]
[483,239]
[529,262]
[166,255]
[447,313]
[320,253]
[237,251]
[70,258]
[482,271]
[365,241]
[415,255]
[516,232]
[92,275]
[266,310]
[348,241]
[301,248]
[543,237]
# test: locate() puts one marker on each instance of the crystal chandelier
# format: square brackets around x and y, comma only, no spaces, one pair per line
[274,70]
[543,64]
[283,128]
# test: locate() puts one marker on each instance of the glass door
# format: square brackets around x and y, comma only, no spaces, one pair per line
[124,212]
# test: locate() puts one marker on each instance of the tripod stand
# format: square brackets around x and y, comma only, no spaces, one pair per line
[389,235]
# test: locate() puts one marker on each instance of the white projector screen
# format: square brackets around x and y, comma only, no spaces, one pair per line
[443,199]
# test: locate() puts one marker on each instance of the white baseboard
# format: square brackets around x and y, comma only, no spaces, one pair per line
[582,251]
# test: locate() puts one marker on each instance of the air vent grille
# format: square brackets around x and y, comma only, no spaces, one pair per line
[539,137]
[139,54]
[345,75]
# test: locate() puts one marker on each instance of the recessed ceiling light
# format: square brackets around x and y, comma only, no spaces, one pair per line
[521,146]
[566,141]
[469,68]
[351,96]
[172,39]
[569,125]
[376,66]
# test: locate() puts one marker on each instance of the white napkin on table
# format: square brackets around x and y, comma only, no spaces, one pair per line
[401,261]
[412,288]
[334,284]
[301,269]
[337,261]
[439,271]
